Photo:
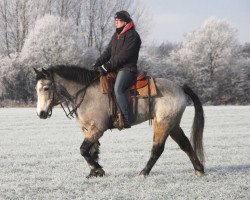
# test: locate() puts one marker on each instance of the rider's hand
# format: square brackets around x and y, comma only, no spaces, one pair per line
[95,66]
[104,69]
[108,66]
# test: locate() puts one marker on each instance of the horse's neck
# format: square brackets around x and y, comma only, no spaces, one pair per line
[71,86]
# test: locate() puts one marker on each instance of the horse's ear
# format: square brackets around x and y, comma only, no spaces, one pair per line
[46,73]
[36,71]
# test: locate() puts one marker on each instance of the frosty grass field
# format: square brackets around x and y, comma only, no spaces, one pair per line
[40,159]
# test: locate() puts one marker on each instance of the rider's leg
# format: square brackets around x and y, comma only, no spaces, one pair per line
[123,81]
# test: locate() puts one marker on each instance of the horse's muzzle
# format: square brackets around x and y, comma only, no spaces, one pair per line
[43,115]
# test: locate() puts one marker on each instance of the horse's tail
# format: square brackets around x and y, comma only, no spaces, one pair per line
[198,124]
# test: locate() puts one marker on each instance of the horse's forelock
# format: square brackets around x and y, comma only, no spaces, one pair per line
[40,76]
[43,75]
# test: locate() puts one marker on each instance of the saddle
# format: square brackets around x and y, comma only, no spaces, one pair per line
[144,87]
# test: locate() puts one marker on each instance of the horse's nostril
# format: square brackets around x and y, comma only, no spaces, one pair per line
[43,114]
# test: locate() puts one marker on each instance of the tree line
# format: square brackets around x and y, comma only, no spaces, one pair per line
[91,17]
[73,32]
[210,59]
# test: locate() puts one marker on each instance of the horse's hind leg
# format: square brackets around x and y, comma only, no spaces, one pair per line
[180,138]
[160,136]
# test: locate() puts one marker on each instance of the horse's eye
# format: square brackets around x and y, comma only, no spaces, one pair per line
[46,88]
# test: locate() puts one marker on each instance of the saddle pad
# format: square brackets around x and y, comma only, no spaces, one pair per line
[141,92]
[105,85]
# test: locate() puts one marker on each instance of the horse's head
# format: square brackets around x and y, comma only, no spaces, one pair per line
[45,88]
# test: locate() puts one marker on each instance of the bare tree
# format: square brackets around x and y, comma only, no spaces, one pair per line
[104,21]
[213,46]
[76,12]
[15,16]
[98,19]
[93,19]
[5,27]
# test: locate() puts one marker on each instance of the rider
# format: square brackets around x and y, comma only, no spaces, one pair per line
[121,56]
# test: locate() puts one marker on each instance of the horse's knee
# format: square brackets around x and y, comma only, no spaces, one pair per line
[85,148]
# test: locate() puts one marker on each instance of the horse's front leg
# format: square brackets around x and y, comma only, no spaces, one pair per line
[90,149]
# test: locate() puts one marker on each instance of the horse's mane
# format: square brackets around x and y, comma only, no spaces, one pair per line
[75,73]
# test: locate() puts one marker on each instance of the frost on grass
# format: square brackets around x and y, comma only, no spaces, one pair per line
[40,159]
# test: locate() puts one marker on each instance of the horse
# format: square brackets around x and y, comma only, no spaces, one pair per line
[81,87]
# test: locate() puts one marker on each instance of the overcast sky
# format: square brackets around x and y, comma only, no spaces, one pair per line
[171,19]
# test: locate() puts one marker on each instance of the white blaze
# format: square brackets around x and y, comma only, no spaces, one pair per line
[43,100]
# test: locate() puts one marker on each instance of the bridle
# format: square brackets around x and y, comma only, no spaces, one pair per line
[62,97]
[54,101]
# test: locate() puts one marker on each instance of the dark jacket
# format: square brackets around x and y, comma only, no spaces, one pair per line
[122,51]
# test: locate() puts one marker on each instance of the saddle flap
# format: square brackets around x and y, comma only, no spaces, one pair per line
[104,80]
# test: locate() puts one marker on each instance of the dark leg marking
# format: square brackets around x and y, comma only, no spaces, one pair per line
[155,154]
[180,138]
[96,169]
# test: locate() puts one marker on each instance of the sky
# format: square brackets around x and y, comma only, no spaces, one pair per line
[172,19]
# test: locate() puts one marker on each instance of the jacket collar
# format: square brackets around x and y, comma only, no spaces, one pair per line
[126,28]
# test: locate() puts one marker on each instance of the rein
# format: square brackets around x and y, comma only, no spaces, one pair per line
[83,90]
[68,98]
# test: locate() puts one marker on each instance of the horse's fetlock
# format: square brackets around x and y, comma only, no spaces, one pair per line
[96,172]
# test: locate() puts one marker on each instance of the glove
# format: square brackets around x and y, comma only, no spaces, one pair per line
[108,66]
[104,69]
[95,66]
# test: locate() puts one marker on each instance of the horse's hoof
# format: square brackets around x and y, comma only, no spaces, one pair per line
[143,174]
[199,173]
[96,173]
[142,177]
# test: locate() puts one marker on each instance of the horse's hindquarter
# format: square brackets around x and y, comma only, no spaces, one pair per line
[170,102]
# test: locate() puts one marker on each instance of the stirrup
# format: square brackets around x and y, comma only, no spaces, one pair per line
[126,124]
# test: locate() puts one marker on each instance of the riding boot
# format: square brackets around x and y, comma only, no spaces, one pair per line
[126,122]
